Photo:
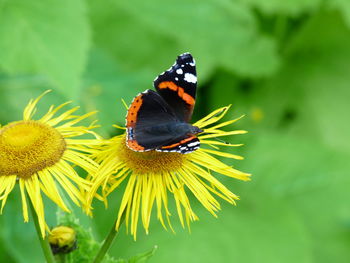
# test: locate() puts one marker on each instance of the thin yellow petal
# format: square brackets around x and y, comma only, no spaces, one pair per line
[30,108]
[212,117]
[24,199]
[52,111]
[33,189]
[220,134]
[50,189]
[223,154]
[7,184]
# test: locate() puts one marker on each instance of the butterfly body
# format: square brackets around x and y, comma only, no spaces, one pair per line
[159,120]
[173,129]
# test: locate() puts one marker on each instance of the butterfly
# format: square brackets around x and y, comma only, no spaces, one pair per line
[159,120]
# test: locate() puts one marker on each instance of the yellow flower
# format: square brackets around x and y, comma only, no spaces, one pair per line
[152,175]
[39,154]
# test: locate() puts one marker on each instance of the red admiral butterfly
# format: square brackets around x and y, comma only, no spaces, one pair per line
[159,120]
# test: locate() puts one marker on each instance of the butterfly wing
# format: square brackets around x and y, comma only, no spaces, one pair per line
[186,145]
[178,86]
[146,116]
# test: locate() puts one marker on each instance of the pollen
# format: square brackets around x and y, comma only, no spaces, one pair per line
[150,162]
[27,147]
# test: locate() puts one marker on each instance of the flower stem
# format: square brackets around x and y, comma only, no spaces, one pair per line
[107,243]
[44,243]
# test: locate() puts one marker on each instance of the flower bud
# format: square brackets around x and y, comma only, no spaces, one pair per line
[62,240]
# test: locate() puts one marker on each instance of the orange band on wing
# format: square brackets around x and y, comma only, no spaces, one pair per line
[178,143]
[180,91]
[131,117]
[132,144]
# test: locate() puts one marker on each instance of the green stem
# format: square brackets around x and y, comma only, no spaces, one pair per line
[44,242]
[107,243]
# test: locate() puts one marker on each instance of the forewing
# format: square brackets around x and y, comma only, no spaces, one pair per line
[178,86]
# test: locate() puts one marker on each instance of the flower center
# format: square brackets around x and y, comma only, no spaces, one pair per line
[27,147]
[151,161]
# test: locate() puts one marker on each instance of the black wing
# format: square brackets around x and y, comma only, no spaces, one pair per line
[149,121]
[178,86]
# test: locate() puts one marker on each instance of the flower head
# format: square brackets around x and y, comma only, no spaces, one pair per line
[39,154]
[152,175]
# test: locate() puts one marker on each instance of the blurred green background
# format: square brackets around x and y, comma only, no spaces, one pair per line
[285,64]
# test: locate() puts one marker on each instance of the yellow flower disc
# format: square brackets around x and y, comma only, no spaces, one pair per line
[151,161]
[27,147]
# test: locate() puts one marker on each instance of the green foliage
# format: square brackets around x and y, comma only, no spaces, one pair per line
[141,258]
[286,7]
[87,247]
[344,7]
[285,64]
[220,32]
[49,38]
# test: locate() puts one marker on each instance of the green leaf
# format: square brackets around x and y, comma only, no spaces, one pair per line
[135,46]
[313,84]
[312,180]
[49,38]
[218,33]
[344,8]
[325,76]
[144,257]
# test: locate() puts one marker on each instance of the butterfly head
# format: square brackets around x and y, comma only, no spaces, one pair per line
[195,130]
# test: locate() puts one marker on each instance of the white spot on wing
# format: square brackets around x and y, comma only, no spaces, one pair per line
[176,78]
[190,78]
[193,144]
[179,71]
